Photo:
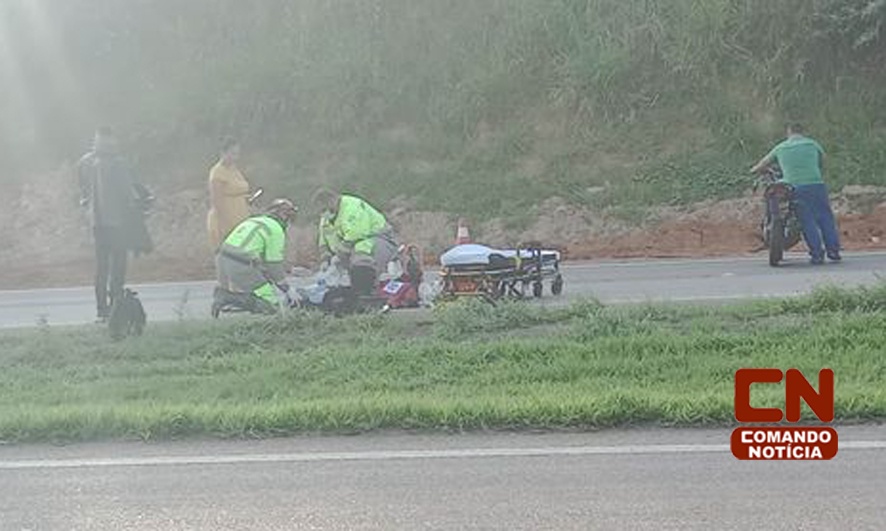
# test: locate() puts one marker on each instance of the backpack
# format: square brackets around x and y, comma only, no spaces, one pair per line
[127,316]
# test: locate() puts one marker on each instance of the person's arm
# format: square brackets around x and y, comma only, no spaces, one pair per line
[344,237]
[764,163]
[328,241]
[247,191]
[274,258]
[216,188]
[276,271]
[141,192]
[84,179]
[139,197]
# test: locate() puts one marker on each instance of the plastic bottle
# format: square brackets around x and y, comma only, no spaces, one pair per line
[319,291]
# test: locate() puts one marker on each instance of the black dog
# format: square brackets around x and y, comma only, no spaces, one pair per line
[127,316]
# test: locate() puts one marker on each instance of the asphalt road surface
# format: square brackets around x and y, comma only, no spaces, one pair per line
[610,282]
[644,479]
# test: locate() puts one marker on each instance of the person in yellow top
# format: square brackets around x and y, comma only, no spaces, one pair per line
[228,195]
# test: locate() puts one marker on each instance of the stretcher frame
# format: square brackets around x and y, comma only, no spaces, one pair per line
[503,277]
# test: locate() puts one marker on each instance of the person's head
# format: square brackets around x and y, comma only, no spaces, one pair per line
[230,151]
[283,210]
[105,140]
[794,128]
[326,200]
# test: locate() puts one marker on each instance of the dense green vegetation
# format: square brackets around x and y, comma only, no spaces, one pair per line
[468,367]
[476,107]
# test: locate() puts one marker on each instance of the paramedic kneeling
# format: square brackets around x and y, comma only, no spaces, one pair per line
[358,234]
[802,164]
[250,261]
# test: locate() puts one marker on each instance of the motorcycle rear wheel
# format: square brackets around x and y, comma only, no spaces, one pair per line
[776,241]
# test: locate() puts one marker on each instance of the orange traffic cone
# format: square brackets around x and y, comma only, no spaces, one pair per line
[462,236]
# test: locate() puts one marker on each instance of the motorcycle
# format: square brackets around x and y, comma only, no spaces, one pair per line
[398,288]
[405,277]
[331,291]
[780,227]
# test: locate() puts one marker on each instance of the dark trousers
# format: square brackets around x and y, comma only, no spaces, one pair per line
[363,280]
[111,251]
[817,219]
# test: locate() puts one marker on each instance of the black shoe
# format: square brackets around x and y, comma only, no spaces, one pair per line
[834,257]
[816,260]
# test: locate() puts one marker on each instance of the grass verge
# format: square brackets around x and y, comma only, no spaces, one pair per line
[471,367]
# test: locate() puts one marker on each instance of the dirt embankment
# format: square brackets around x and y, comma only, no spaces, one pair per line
[46,241]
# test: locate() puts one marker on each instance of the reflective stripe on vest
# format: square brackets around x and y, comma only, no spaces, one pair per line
[242,239]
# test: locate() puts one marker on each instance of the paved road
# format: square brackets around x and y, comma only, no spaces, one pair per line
[613,282]
[645,479]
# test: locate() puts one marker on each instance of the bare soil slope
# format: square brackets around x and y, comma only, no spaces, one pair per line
[47,242]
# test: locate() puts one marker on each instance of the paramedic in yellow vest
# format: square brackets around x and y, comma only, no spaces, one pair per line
[358,234]
[251,259]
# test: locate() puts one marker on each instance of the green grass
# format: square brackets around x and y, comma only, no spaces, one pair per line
[472,367]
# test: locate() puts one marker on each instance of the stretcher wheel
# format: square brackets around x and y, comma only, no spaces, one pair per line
[501,290]
[557,285]
[537,289]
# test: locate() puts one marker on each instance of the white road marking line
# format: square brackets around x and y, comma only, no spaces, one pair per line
[390,455]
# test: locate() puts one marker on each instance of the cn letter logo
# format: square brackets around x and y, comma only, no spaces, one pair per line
[784,442]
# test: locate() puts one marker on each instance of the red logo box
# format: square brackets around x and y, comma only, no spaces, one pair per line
[784,442]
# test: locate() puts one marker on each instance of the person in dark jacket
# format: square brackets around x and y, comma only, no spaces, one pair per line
[116,202]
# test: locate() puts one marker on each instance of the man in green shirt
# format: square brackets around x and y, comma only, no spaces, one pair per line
[801,160]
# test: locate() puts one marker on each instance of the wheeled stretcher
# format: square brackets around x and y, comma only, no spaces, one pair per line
[472,270]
